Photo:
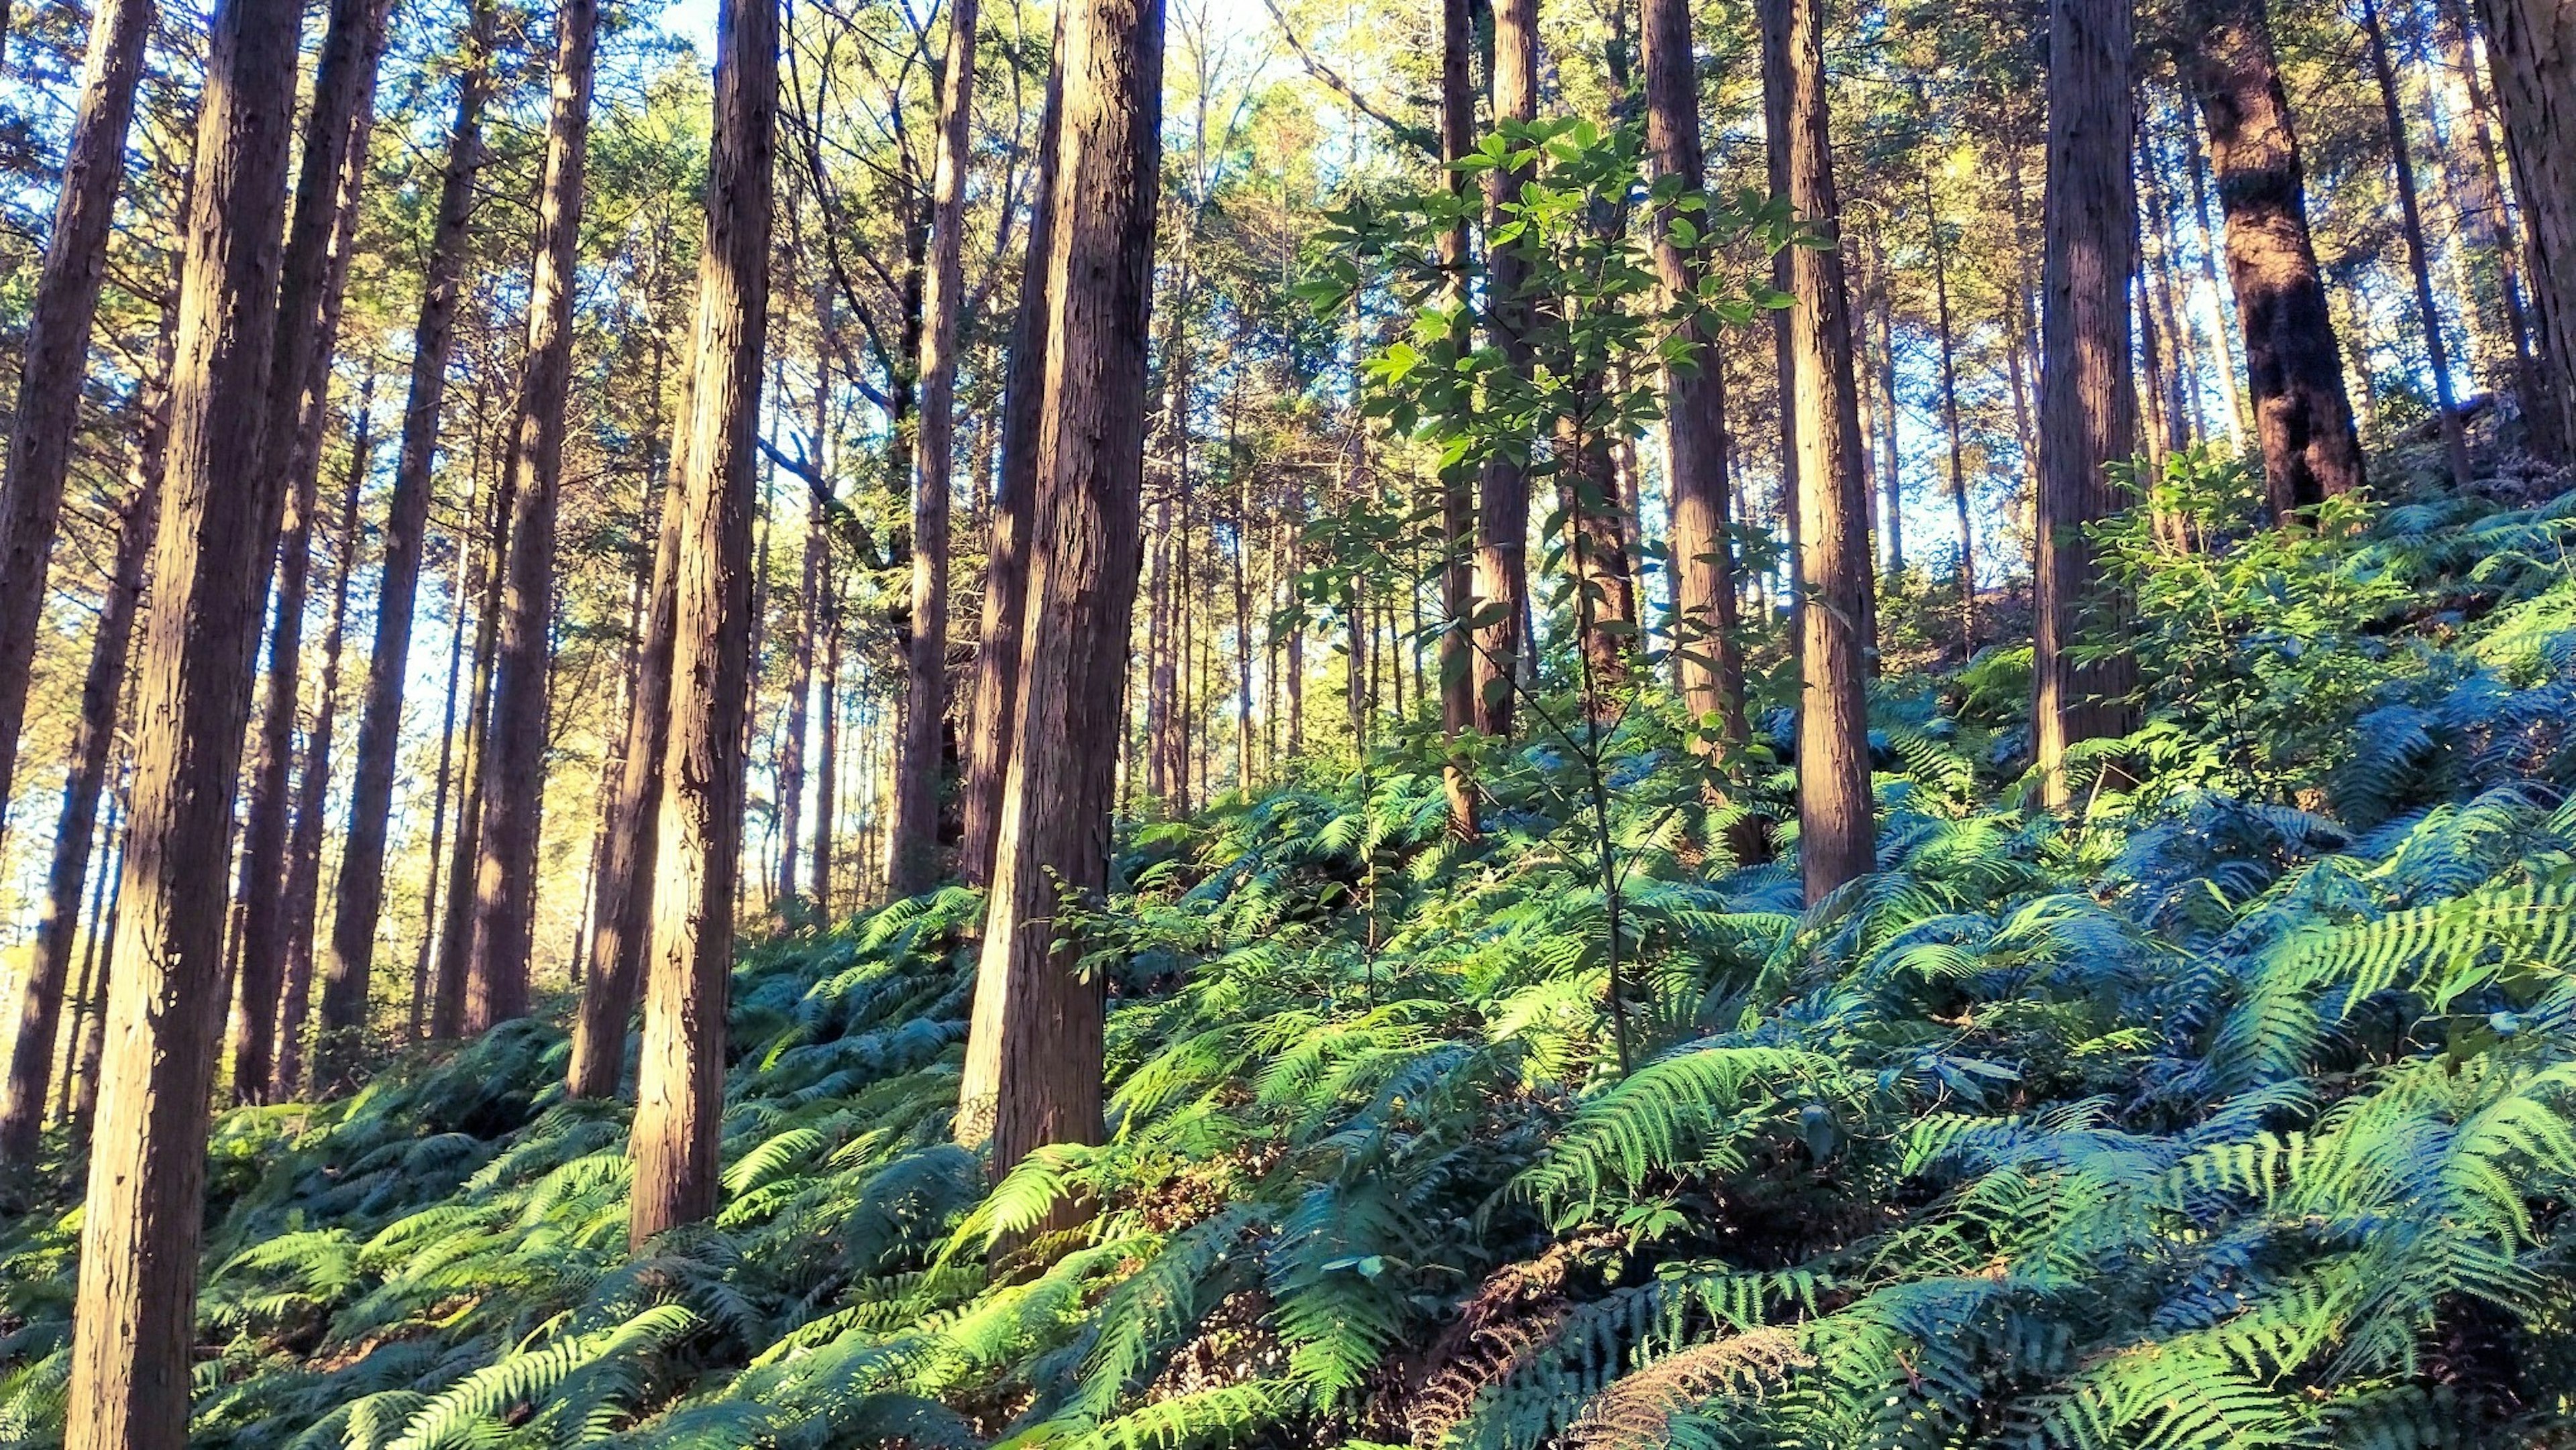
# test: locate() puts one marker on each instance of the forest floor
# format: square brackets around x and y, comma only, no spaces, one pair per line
[2239,1109]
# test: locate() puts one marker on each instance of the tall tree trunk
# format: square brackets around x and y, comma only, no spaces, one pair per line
[313,787]
[1502,521]
[2419,255]
[1892,509]
[1836,832]
[55,359]
[291,443]
[2531,48]
[22,1095]
[1457,481]
[422,982]
[679,1095]
[622,906]
[1967,567]
[91,1050]
[134,1321]
[1033,1058]
[359,903]
[800,691]
[1703,496]
[827,784]
[2479,176]
[916,802]
[2301,413]
[514,765]
[456,918]
[2231,392]
[2088,403]
[1006,570]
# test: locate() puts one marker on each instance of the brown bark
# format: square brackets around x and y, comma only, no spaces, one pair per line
[2419,255]
[514,764]
[2301,413]
[326,218]
[997,650]
[1702,493]
[2531,49]
[1836,830]
[304,846]
[679,1095]
[2088,403]
[1502,523]
[359,903]
[916,806]
[622,901]
[134,1320]
[1033,1062]
[22,1094]
[1457,482]
[55,359]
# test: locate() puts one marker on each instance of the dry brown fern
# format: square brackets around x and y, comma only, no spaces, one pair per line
[1636,1413]
[1509,1318]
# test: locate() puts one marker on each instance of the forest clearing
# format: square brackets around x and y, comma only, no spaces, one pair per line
[1467,724]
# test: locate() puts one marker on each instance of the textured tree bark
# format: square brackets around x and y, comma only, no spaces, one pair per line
[135,1316]
[326,217]
[1033,1061]
[22,1094]
[313,784]
[2088,401]
[56,356]
[1502,508]
[2531,49]
[1457,481]
[915,865]
[359,904]
[2295,371]
[622,906]
[1006,570]
[514,764]
[1836,831]
[2419,255]
[679,1097]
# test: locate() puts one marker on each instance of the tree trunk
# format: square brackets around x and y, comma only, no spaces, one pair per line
[916,807]
[2419,255]
[1033,1061]
[1006,570]
[514,764]
[22,1096]
[1457,481]
[291,443]
[2481,178]
[1703,496]
[1835,831]
[456,922]
[1502,523]
[55,359]
[827,785]
[134,1321]
[91,1050]
[421,980]
[1967,567]
[679,1097]
[1892,510]
[2301,413]
[2531,48]
[313,788]
[800,692]
[622,906]
[360,898]
[2088,403]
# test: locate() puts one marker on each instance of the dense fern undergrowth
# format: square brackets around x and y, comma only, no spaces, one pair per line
[2236,1108]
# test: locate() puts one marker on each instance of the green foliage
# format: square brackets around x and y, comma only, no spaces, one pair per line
[2239,1110]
